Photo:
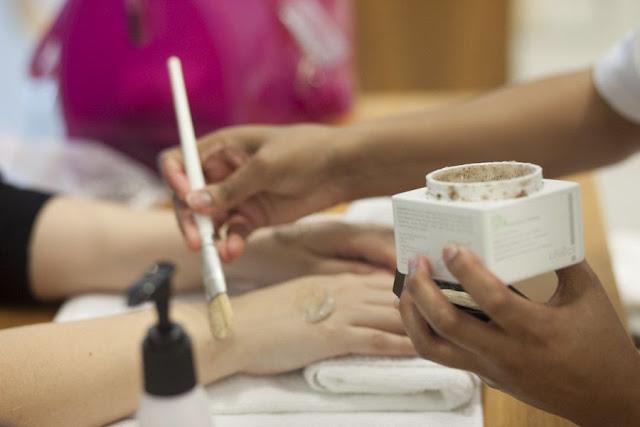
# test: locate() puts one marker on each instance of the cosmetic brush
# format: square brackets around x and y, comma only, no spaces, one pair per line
[219,307]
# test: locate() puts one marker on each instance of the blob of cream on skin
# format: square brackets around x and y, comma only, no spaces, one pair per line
[316,304]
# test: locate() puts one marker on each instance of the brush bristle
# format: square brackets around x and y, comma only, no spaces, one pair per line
[220,316]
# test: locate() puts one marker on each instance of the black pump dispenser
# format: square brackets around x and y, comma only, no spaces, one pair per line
[167,354]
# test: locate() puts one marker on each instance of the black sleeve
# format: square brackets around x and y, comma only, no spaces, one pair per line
[18,212]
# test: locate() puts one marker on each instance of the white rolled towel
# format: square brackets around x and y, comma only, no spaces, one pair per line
[429,384]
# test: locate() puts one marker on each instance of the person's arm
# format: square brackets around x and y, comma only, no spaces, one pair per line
[268,175]
[560,123]
[570,356]
[89,372]
[79,246]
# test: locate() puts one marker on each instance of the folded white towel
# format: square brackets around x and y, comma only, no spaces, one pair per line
[444,387]
[441,389]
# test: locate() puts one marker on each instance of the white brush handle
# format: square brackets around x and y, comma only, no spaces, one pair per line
[185,125]
[213,276]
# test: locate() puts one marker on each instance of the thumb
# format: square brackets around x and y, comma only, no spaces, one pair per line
[227,194]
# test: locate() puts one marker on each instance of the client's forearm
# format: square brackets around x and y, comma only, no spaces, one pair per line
[560,123]
[90,371]
[80,246]
[85,245]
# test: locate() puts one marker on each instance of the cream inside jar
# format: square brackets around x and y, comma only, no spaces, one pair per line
[477,182]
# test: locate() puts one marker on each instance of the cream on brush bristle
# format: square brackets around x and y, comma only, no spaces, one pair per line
[220,316]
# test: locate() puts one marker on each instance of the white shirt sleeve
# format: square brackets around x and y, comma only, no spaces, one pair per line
[617,77]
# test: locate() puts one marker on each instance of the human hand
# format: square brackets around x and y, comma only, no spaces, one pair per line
[258,175]
[271,334]
[570,356]
[281,253]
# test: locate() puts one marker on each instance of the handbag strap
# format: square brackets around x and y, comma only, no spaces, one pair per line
[45,61]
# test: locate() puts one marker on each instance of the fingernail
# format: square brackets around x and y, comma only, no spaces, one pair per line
[200,200]
[450,252]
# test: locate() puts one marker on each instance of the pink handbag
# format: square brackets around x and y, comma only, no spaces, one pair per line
[268,61]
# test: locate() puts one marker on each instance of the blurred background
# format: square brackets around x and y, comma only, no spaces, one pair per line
[403,46]
[471,45]
[400,46]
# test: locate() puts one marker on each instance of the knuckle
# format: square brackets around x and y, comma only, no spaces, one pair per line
[545,333]
[497,301]
[465,264]
[445,319]
[331,331]
[379,342]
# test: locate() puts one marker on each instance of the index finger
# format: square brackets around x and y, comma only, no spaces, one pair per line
[431,345]
[171,167]
[449,322]
[507,309]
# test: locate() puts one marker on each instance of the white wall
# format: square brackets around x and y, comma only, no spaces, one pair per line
[560,35]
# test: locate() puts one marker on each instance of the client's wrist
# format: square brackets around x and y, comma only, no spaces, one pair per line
[214,359]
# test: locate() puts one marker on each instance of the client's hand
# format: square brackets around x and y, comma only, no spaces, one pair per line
[282,253]
[571,356]
[275,329]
